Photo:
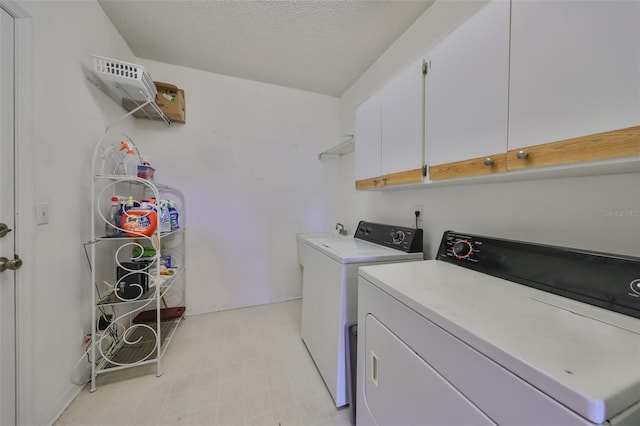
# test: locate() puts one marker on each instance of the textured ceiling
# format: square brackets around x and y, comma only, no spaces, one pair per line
[317,45]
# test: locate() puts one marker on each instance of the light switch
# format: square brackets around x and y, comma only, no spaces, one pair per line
[42,213]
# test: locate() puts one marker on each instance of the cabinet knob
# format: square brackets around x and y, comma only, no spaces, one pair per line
[13,264]
[384,179]
[522,154]
[4,230]
[489,161]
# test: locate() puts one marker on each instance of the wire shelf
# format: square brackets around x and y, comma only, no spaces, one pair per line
[345,147]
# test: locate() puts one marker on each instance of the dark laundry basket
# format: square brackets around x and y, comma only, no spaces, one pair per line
[352,366]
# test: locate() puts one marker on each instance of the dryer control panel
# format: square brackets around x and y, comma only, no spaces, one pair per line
[408,240]
[606,280]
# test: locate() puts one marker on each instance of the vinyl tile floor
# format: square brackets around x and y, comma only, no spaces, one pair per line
[244,366]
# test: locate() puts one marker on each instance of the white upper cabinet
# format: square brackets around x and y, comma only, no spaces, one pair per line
[466,89]
[368,137]
[402,121]
[575,69]
[389,132]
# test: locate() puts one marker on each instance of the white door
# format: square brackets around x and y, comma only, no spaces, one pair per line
[7,215]
[368,137]
[467,88]
[402,121]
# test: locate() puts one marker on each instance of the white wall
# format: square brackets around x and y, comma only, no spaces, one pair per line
[597,212]
[247,162]
[68,118]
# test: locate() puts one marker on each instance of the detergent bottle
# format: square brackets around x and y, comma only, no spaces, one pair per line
[138,219]
[173,215]
[130,160]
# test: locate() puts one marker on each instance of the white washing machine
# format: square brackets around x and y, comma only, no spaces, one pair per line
[500,332]
[329,290]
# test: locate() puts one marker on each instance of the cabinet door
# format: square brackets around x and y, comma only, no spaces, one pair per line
[467,95]
[368,138]
[575,71]
[402,121]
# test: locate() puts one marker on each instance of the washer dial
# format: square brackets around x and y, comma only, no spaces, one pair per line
[398,237]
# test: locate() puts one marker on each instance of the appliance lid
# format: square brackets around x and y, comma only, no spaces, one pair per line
[353,250]
[583,356]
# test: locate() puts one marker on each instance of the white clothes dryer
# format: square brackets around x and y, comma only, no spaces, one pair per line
[500,332]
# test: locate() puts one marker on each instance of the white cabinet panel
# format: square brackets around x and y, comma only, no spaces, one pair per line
[467,88]
[575,69]
[322,318]
[390,132]
[402,121]
[368,137]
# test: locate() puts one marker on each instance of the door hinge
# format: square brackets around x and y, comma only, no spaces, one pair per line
[425,68]
[425,169]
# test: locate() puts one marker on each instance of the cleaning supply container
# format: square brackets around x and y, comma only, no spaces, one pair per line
[165,217]
[130,161]
[112,227]
[173,214]
[139,220]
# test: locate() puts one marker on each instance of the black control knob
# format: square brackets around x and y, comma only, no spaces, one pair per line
[398,237]
[462,249]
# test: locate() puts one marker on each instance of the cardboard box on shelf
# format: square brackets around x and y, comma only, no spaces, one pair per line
[169,98]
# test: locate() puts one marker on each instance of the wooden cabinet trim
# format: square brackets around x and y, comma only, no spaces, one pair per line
[391,179]
[600,146]
[369,183]
[466,168]
[402,178]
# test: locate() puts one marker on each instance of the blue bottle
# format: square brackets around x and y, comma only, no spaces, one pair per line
[174,216]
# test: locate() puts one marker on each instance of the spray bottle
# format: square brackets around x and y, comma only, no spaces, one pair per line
[165,218]
[130,161]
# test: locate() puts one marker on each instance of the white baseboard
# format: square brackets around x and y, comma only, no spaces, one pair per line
[225,307]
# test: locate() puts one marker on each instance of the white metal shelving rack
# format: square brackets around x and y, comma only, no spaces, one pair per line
[122,342]
[125,340]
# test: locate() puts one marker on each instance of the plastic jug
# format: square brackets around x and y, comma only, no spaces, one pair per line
[140,220]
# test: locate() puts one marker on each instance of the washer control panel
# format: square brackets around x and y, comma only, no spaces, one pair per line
[409,240]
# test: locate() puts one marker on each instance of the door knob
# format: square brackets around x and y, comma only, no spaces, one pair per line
[4,230]
[12,264]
